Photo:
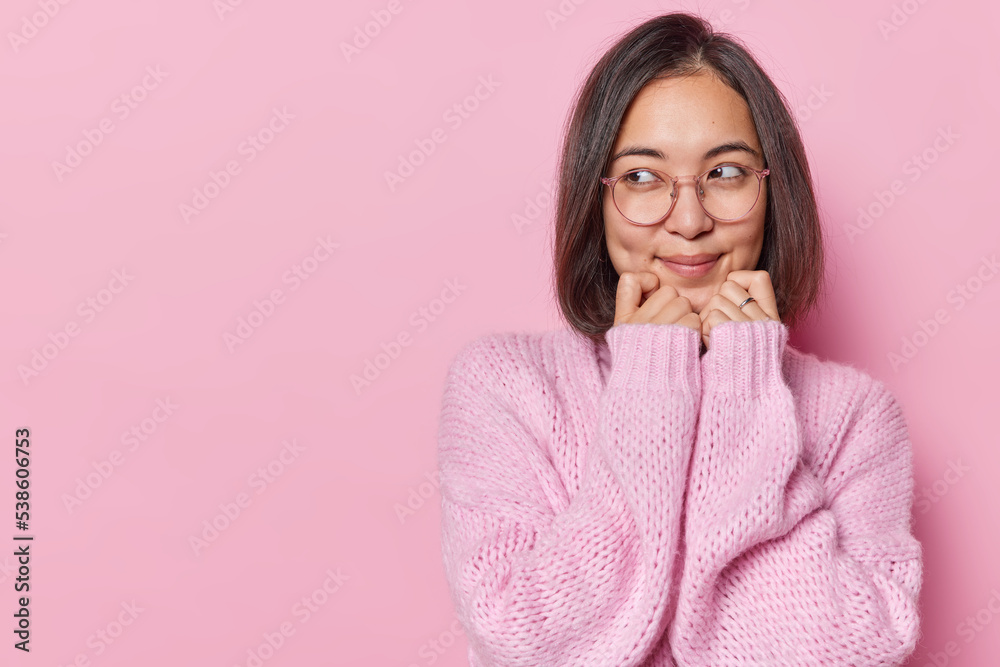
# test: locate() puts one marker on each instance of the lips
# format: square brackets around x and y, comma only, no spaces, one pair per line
[690,260]
[690,266]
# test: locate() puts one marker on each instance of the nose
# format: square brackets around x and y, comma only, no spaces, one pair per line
[687,217]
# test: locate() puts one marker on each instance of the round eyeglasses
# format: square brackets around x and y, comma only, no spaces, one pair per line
[726,192]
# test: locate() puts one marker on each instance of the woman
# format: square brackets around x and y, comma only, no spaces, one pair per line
[667,481]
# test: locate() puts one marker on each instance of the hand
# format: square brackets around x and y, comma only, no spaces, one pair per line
[724,304]
[640,299]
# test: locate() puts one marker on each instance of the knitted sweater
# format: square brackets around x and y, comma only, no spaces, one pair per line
[637,503]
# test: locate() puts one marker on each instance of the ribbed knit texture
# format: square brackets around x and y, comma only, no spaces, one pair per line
[640,504]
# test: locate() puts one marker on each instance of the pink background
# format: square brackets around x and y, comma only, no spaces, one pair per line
[457,249]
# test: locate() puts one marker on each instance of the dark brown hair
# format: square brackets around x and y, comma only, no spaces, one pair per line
[678,44]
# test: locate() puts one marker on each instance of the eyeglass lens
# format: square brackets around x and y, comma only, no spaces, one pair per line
[727,192]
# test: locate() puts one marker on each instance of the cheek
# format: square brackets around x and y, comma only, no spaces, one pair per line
[621,238]
[626,244]
[752,239]
[608,208]
[746,246]
[757,241]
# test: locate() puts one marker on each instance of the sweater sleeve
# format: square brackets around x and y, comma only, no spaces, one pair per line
[541,574]
[795,555]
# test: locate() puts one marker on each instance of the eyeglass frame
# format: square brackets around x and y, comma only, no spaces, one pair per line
[674,180]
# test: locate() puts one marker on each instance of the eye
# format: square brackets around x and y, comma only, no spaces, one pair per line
[639,177]
[726,172]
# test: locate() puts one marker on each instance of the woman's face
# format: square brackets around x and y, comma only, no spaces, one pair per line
[676,126]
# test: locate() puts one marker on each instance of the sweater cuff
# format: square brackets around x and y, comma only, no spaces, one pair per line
[653,357]
[744,358]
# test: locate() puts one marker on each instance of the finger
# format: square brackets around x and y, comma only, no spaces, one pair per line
[713,318]
[758,285]
[735,293]
[726,306]
[665,306]
[691,320]
[673,312]
[632,287]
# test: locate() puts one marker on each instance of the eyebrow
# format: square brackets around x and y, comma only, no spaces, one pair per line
[727,147]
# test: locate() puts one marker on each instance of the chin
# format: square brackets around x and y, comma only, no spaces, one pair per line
[698,296]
